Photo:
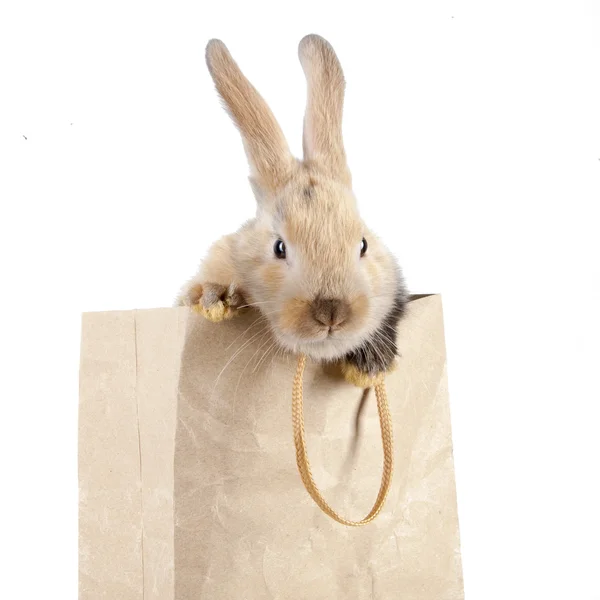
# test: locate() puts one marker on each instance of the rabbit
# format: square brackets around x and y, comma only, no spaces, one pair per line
[325,284]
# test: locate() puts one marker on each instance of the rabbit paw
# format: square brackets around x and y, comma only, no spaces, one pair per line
[214,301]
[352,374]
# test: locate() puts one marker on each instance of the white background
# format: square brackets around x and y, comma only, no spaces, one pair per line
[473,133]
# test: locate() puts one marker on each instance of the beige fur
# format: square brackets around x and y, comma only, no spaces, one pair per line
[322,140]
[308,204]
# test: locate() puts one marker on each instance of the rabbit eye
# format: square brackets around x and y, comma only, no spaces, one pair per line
[363,247]
[279,249]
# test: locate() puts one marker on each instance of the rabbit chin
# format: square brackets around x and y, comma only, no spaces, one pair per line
[327,348]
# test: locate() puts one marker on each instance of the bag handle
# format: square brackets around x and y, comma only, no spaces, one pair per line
[385,421]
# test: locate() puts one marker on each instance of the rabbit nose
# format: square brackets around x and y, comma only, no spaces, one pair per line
[330,312]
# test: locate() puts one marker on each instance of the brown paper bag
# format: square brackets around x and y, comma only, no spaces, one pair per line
[188,482]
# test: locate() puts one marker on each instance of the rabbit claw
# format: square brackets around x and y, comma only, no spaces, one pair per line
[216,302]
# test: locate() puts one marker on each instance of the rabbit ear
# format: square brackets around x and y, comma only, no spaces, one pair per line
[322,141]
[270,159]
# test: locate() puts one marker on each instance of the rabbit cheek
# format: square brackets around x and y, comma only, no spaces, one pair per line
[374,276]
[271,279]
[360,312]
[295,319]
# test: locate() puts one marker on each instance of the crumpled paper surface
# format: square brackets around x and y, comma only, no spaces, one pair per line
[189,486]
[245,526]
[129,371]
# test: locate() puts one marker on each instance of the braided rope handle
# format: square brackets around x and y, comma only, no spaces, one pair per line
[385,421]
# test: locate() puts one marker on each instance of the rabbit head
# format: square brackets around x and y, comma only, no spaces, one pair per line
[324,282]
